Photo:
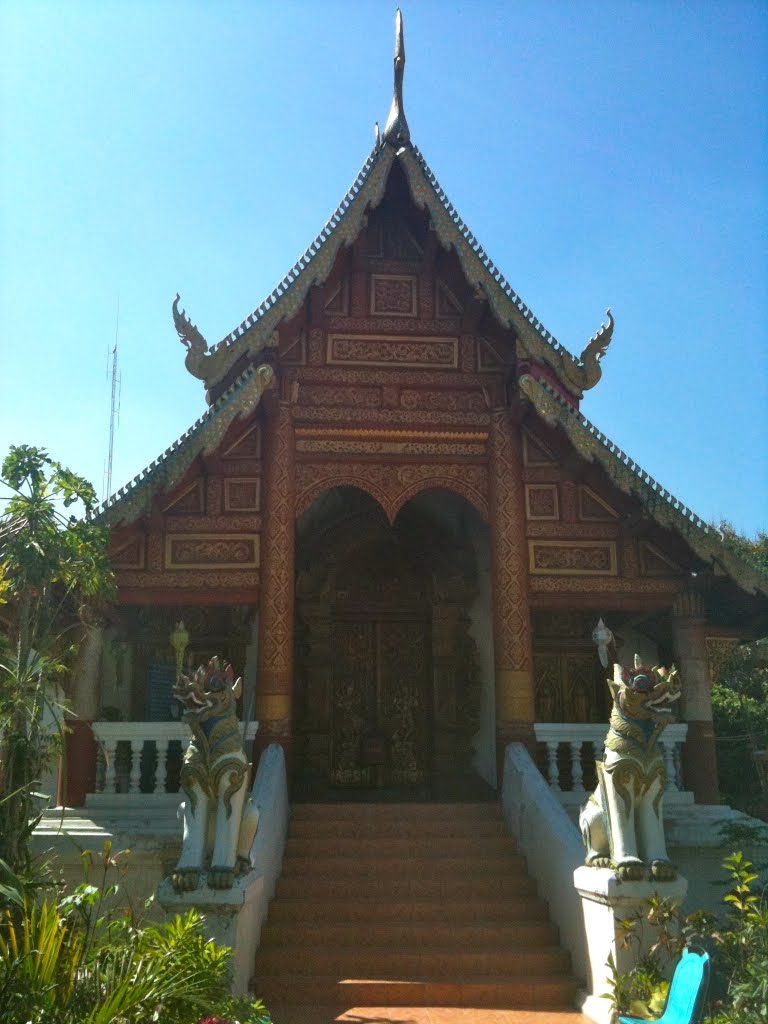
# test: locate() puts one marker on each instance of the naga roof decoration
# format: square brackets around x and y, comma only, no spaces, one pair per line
[668,511]
[211,363]
[203,437]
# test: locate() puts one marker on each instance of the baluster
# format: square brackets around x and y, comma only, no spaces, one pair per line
[161,766]
[110,761]
[552,769]
[135,777]
[668,746]
[598,749]
[577,774]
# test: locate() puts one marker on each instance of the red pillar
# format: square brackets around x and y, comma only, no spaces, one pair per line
[274,682]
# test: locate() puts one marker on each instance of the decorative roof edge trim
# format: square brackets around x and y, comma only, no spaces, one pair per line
[312,267]
[667,510]
[165,472]
[580,374]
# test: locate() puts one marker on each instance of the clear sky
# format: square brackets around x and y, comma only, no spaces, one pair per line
[605,154]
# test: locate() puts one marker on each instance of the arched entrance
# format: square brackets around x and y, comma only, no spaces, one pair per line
[387,684]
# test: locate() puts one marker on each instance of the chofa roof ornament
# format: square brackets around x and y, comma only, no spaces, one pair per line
[396,131]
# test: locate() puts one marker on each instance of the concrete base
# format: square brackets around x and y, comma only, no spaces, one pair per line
[224,922]
[606,900]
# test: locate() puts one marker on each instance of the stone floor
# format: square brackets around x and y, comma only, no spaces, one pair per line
[421,1015]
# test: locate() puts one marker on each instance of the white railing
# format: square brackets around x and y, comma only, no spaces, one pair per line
[134,757]
[571,747]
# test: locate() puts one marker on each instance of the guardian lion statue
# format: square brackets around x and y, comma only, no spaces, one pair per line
[219,823]
[621,823]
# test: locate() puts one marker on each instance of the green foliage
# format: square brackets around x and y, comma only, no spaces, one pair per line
[738,946]
[81,960]
[751,549]
[740,715]
[52,567]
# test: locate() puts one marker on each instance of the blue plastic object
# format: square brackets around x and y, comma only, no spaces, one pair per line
[685,1002]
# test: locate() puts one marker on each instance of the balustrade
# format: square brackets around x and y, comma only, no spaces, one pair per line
[139,757]
[571,747]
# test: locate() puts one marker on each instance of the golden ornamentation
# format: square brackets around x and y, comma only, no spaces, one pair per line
[572,558]
[242,494]
[392,350]
[199,551]
[394,295]
[541,501]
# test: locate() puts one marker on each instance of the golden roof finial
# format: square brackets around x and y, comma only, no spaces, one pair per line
[396,131]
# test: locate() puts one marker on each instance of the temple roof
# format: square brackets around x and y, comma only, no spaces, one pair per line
[202,438]
[211,363]
[591,443]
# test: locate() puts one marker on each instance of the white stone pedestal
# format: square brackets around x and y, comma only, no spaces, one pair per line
[605,899]
[232,919]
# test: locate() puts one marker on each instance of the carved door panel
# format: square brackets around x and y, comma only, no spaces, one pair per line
[379,714]
[566,687]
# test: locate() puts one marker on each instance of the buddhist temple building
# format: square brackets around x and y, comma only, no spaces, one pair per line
[395,520]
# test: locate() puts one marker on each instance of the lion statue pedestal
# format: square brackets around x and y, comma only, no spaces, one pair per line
[219,821]
[622,823]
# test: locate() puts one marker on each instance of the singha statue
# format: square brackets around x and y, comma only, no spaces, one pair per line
[219,823]
[621,823]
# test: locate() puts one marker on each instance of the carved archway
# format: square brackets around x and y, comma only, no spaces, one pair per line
[386,685]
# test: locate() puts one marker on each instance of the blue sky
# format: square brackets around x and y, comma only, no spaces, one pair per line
[604,154]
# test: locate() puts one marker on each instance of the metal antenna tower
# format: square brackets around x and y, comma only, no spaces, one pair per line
[114,408]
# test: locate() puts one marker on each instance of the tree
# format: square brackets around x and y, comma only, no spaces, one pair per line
[53,567]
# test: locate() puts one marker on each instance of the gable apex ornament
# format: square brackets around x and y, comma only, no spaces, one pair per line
[396,131]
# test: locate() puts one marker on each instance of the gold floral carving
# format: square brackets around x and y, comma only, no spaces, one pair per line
[393,295]
[511,618]
[339,394]
[390,417]
[200,551]
[655,563]
[234,522]
[581,584]
[183,579]
[242,494]
[541,501]
[383,325]
[363,447]
[572,531]
[572,558]
[316,347]
[214,495]
[390,484]
[276,604]
[390,350]
[401,377]
[458,401]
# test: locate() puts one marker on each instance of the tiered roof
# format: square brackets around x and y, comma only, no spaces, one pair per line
[536,348]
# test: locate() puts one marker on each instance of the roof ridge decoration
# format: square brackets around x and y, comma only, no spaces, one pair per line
[396,131]
[165,472]
[210,364]
[667,510]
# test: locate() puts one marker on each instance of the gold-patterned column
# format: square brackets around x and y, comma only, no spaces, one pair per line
[512,647]
[700,749]
[274,682]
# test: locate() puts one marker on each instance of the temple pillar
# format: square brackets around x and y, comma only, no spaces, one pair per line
[699,751]
[512,645]
[274,681]
[78,774]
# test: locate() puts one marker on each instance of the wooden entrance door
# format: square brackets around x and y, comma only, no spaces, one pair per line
[380,702]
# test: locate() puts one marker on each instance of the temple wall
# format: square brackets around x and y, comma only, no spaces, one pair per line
[481,630]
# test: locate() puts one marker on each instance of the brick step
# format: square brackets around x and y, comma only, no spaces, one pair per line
[428,936]
[396,812]
[484,887]
[392,964]
[534,992]
[393,828]
[379,846]
[447,911]
[383,868]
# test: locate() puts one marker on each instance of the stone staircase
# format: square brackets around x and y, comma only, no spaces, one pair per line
[407,905]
